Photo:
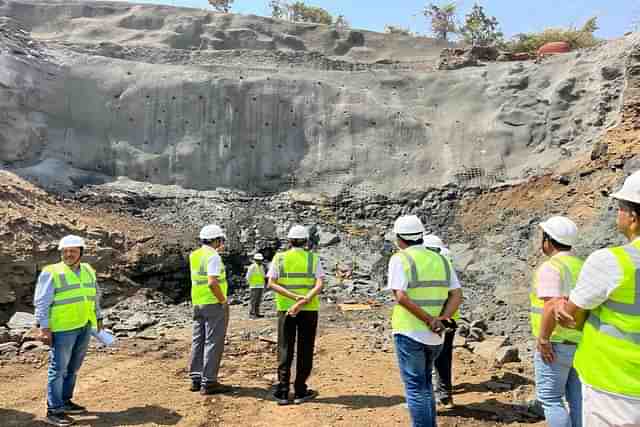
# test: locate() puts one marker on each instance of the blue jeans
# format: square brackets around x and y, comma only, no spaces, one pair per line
[416,364]
[65,358]
[558,381]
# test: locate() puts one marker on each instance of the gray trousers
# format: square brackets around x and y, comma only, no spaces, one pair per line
[209,329]
[256,300]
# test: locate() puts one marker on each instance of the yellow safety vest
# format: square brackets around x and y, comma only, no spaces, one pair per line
[74,299]
[201,293]
[429,277]
[296,273]
[568,267]
[608,358]
[256,276]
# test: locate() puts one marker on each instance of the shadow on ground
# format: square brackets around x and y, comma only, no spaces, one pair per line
[493,410]
[361,401]
[138,415]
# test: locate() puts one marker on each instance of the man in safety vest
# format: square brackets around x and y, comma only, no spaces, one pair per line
[606,301]
[296,277]
[426,290]
[67,307]
[443,364]
[209,299]
[256,279]
[556,379]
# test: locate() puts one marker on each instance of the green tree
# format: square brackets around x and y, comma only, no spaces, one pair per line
[442,19]
[221,5]
[299,11]
[279,9]
[480,29]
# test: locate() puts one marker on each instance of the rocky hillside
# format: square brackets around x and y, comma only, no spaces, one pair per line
[204,100]
[125,123]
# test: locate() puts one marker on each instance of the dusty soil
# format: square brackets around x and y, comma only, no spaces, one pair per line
[144,383]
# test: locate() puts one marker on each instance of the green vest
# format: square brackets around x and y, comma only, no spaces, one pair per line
[296,273]
[568,267]
[608,358]
[74,298]
[256,276]
[429,276]
[201,293]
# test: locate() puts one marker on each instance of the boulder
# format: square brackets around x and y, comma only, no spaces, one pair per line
[610,73]
[488,349]
[34,346]
[508,354]
[22,320]
[327,239]
[9,347]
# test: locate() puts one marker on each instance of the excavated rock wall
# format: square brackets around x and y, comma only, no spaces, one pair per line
[267,129]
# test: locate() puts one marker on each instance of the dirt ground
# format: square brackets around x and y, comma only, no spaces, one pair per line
[144,383]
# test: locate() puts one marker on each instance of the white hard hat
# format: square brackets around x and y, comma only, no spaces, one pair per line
[298,232]
[211,232]
[71,241]
[433,241]
[561,229]
[409,227]
[630,190]
[258,257]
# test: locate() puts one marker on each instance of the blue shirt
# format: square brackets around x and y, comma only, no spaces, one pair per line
[43,298]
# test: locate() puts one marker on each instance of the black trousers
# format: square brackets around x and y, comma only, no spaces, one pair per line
[256,300]
[304,326]
[443,383]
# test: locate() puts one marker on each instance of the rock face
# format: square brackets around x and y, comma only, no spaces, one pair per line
[126,100]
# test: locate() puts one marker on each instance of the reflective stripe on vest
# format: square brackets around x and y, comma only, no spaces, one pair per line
[201,293]
[568,267]
[297,273]
[428,278]
[608,357]
[74,297]
[256,276]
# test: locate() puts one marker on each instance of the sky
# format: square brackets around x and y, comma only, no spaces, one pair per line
[615,17]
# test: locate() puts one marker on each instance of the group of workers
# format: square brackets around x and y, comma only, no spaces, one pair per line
[585,317]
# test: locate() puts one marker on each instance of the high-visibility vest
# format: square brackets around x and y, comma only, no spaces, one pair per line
[74,298]
[456,315]
[256,276]
[201,293]
[568,267]
[608,358]
[429,276]
[296,273]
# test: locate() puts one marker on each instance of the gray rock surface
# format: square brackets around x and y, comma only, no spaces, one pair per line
[22,321]
[265,128]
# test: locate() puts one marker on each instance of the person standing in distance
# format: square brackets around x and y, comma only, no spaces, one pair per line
[426,288]
[443,377]
[256,279]
[296,276]
[209,299]
[67,308]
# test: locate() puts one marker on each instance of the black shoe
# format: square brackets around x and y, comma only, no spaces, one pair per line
[308,395]
[74,409]
[447,402]
[259,316]
[58,419]
[215,388]
[195,385]
[282,397]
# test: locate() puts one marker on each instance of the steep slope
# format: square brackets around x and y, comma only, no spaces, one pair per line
[212,122]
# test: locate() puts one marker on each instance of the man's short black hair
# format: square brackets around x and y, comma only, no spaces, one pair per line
[298,243]
[630,207]
[420,241]
[559,246]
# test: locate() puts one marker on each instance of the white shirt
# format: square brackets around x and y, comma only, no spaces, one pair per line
[398,281]
[274,274]
[214,266]
[599,277]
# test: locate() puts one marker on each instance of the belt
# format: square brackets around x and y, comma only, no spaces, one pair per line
[564,342]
